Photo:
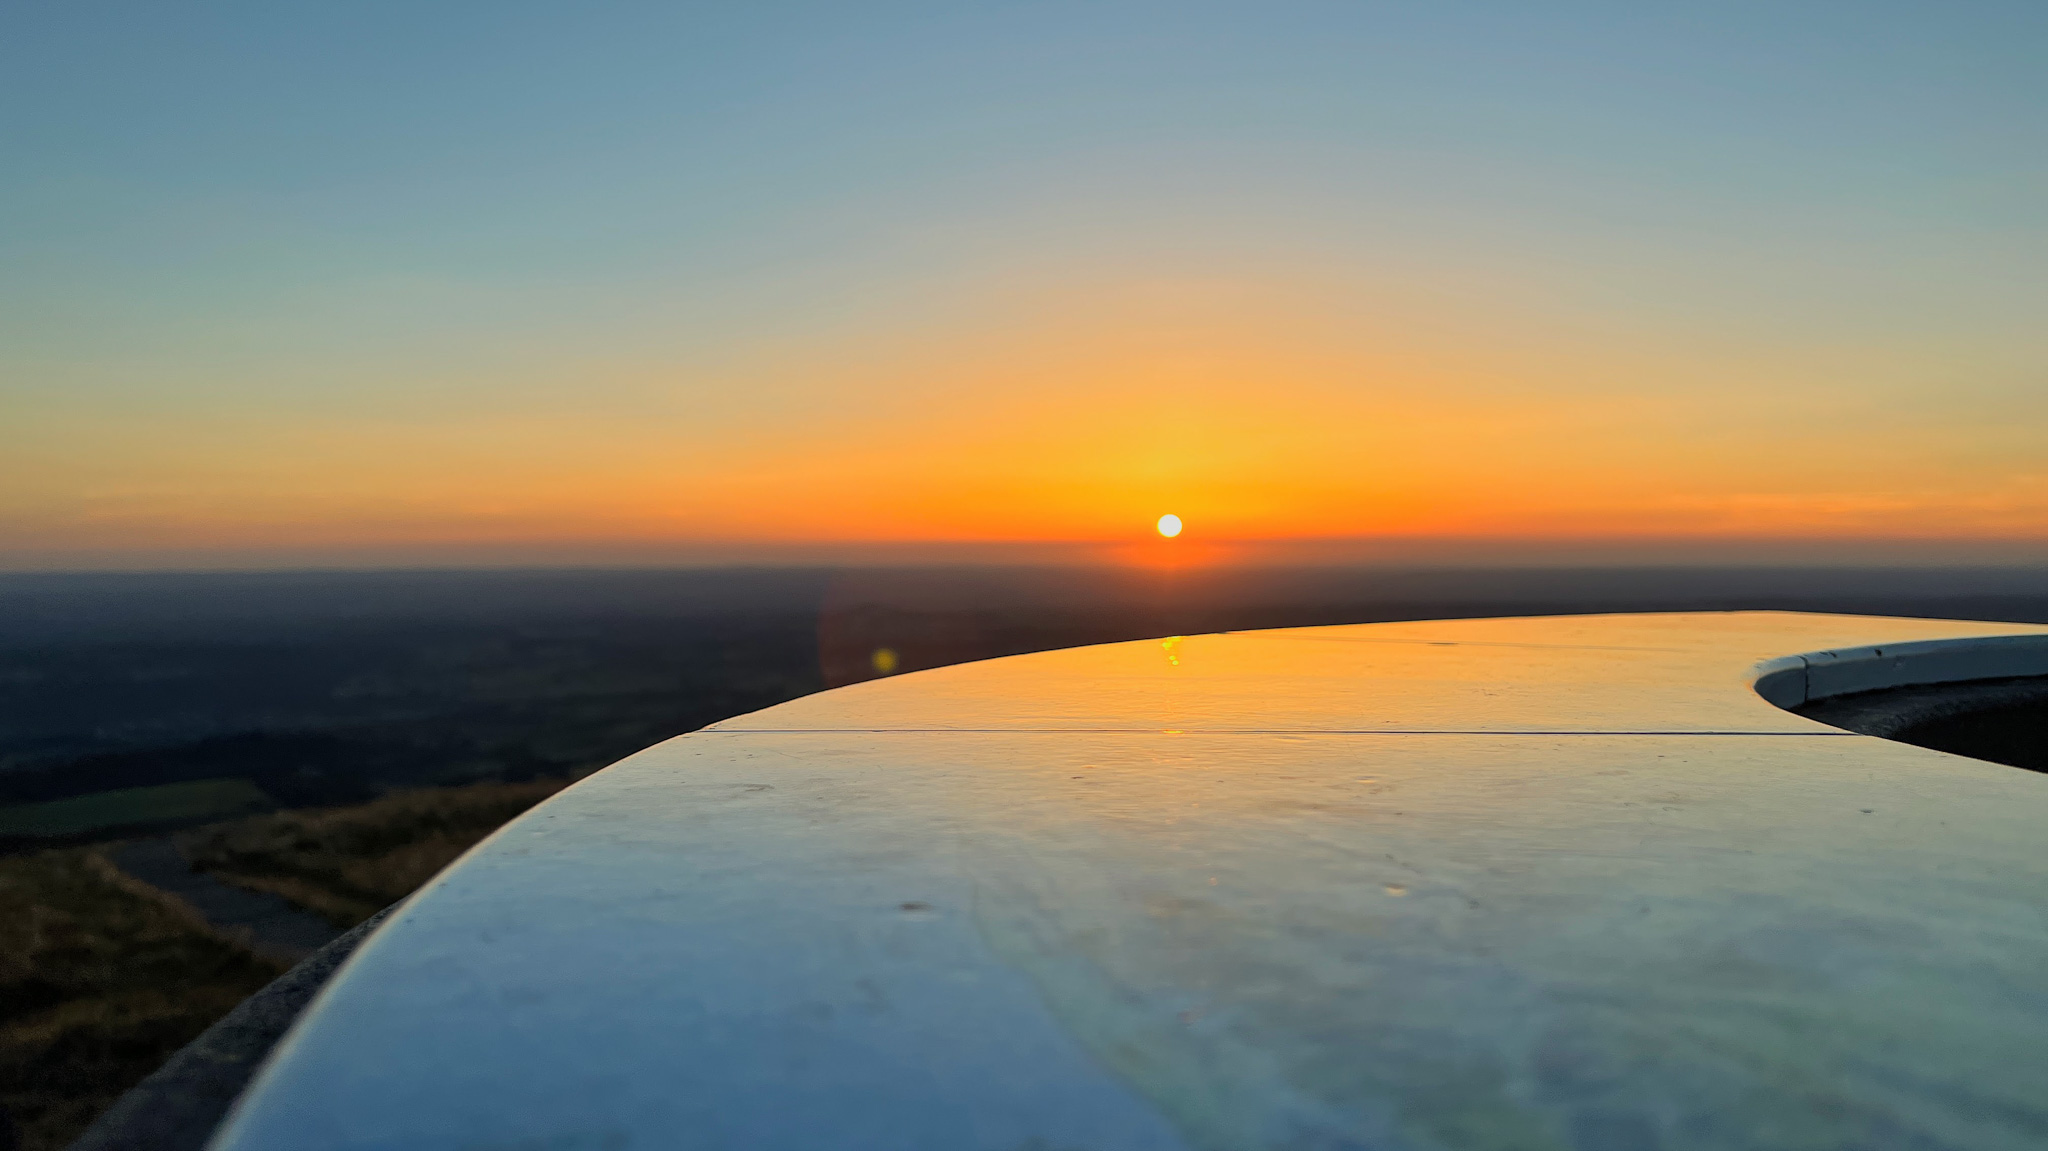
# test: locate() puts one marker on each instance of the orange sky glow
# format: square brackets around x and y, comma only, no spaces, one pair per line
[1260,414]
[1502,303]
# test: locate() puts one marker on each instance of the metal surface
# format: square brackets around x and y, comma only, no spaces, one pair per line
[1473,884]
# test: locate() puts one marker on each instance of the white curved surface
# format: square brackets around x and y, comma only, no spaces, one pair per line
[1517,883]
[1789,681]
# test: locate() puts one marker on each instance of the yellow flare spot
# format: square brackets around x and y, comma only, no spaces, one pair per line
[884,661]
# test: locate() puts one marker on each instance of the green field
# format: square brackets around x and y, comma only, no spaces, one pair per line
[196,801]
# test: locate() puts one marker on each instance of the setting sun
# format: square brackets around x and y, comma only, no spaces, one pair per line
[1240,288]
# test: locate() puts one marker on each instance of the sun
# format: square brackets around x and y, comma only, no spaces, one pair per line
[1169,525]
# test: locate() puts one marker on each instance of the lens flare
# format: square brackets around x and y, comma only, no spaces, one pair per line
[1169,525]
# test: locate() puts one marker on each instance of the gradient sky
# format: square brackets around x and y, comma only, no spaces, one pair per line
[405,282]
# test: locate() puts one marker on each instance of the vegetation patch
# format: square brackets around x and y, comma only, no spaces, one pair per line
[101,979]
[348,863]
[170,804]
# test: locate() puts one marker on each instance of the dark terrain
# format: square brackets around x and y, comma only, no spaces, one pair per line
[312,746]
[326,688]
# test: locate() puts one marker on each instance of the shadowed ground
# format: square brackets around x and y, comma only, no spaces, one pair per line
[272,926]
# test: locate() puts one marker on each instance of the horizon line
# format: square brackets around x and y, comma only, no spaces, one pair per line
[1180,554]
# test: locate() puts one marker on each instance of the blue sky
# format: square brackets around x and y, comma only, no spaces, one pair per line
[402,222]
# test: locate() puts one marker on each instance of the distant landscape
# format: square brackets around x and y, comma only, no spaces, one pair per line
[330,740]
[137,702]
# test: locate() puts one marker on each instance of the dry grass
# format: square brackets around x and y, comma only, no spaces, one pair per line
[348,863]
[101,979]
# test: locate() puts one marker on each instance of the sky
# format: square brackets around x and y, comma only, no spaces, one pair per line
[387,283]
